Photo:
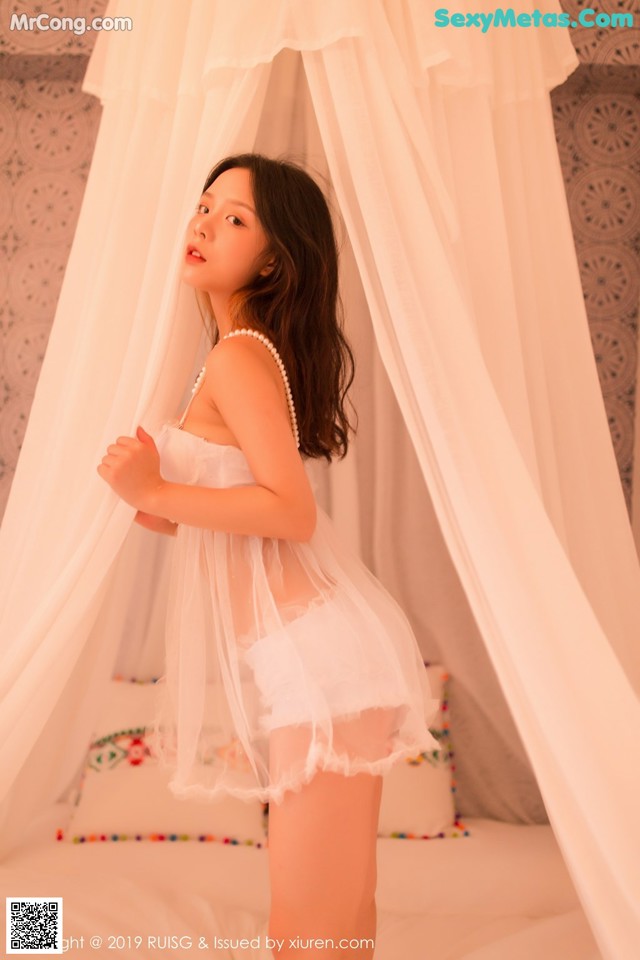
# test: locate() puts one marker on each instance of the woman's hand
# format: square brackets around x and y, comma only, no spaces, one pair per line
[131,467]
[156,524]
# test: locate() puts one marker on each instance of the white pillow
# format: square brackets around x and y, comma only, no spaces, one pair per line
[124,792]
[418,793]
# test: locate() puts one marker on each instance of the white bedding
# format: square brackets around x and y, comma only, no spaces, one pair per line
[502,893]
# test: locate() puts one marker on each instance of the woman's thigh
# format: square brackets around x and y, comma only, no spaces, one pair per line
[322,844]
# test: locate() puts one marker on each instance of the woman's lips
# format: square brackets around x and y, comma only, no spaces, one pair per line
[193,255]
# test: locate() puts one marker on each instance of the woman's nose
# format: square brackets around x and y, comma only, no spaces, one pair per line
[198,228]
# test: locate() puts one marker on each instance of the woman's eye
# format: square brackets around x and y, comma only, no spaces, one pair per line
[235,221]
[202,208]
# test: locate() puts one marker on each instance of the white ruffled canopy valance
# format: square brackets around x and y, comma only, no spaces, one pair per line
[186,57]
[440,149]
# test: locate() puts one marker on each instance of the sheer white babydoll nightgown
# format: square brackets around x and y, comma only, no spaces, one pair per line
[283,658]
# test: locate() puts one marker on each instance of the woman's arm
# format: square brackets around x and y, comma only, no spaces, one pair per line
[244,384]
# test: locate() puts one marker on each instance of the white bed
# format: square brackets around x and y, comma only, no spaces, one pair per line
[502,892]
[478,889]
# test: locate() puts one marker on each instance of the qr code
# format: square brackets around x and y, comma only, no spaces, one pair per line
[34,925]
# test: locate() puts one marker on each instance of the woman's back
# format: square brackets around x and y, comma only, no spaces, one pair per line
[269,634]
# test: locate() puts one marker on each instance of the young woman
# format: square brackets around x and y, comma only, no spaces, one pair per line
[277,637]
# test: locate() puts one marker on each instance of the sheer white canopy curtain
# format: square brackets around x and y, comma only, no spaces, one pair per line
[440,150]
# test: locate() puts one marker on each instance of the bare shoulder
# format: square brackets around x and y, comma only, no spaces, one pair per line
[236,354]
[245,386]
[241,362]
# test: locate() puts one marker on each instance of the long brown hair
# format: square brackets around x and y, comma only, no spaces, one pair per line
[297,303]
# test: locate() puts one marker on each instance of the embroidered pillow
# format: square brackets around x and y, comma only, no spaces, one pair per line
[124,791]
[418,794]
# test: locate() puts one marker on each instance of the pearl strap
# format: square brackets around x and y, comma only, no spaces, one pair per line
[248,332]
[194,391]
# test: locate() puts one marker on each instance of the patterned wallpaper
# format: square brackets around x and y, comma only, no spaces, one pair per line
[597,122]
[48,129]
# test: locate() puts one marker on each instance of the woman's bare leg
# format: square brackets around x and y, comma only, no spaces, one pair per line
[322,863]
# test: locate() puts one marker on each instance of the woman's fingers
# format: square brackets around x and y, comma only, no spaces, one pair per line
[131,467]
[125,442]
[122,446]
[155,524]
[145,437]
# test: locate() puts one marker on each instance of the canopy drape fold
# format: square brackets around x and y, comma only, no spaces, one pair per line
[491,368]
[516,574]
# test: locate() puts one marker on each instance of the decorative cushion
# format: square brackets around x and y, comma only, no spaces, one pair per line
[418,794]
[124,792]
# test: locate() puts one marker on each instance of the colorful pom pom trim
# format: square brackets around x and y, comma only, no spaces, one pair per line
[160,838]
[122,679]
[458,830]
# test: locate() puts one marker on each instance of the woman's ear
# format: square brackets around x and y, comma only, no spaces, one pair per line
[268,268]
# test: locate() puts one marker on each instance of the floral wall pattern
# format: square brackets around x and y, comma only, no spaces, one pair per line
[47,134]
[597,122]
[48,128]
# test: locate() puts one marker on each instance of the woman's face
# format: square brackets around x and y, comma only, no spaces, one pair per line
[224,239]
